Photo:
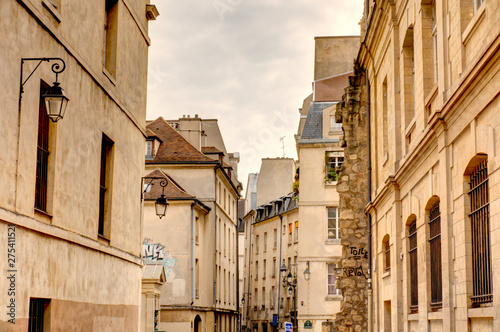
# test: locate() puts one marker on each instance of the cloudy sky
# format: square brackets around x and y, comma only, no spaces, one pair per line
[247,63]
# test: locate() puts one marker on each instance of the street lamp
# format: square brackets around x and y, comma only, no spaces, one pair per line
[161,203]
[55,99]
[291,282]
[307,273]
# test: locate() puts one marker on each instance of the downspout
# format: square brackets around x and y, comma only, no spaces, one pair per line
[250,228]
[279,268]
[192,253]
[238,318]
[215,248]
[368,131]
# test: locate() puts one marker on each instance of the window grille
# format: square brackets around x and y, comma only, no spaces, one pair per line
[412,237]
[42,157]
[435,253]
[37,310]
[480,229]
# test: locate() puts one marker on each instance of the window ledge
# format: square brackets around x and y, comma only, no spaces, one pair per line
[331,183]
[109,76]
[332,241]
[431,95]
[410,127]
[333,298]
[52,10]
[481,312]
[438,315]
[384,160]
[102,239]
[386,274]
[413,317]
[473,24]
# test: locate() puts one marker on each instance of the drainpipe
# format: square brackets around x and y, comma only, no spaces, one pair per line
[250,228]
[237,281]
[192,253]
[368,130]
[215,248]
[279,269]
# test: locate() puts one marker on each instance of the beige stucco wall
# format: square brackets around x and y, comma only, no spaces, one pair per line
[314,246]
[409,174]
[275,179]
[59,255]
[334,55]
[174,232]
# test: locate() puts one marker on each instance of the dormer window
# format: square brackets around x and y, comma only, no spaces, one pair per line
[149,149]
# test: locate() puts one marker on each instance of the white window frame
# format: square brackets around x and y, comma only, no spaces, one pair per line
[336,230]
[331,285]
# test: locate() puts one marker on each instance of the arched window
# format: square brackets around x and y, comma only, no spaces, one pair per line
[480,231]
[435,253]
[386,252]
[412,253]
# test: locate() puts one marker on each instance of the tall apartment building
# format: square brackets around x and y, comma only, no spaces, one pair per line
[197,239]
[69,209]
[429,75]
[320,154]
[270,242]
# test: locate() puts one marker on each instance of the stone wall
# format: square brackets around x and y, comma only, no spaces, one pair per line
[352,187]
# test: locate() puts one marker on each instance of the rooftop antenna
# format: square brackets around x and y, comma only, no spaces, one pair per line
[282,139]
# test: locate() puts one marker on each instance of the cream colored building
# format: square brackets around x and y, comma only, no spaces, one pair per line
[196,240]
[320,153]
[433,70]
[75,258]
[271,240]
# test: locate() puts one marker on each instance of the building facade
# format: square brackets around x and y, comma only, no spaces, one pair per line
[270,242]
[320,155]
[70,212]
[197,239]
[431,76]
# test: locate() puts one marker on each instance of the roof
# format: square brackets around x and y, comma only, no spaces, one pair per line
[174,148]
[172,190]
[210,150]
[331,88]
[154,272]
[313,127]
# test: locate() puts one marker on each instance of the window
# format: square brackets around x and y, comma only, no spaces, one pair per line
[434,41]
[263,297]
[273,273]
[42,156]
[275,238]
[385,116]
[105,186]
[256,270]
[480,230]
[334,125]
[273,296]
[39,320]
[332,290]
[197,230]
[256,294]
[387,253]
[256,244]
[265,241]
[477,4]
[149,150]
[264,269]
[435,251]
[197,278]
[296,231]
[412,238]
[409,77]
[110,36]
[290,230]
[333,160]
[333,223]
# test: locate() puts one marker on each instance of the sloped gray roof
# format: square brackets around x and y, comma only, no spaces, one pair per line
[313,127]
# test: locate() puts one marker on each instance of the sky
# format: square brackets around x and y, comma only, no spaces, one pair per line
[247,63]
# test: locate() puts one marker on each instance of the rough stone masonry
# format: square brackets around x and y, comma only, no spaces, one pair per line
[352,187]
